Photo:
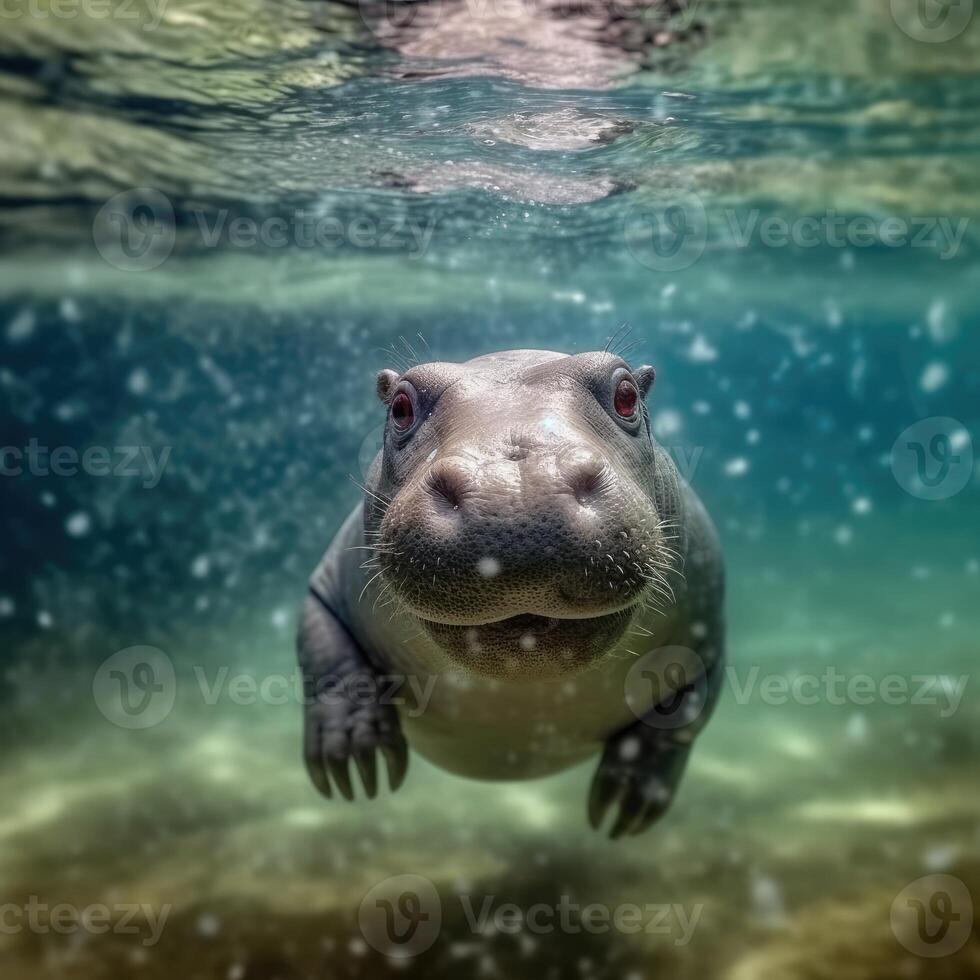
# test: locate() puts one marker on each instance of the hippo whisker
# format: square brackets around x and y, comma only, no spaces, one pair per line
[368,582]
[379,497]
[620,334]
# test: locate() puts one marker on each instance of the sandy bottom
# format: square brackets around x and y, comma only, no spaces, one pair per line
[796,829]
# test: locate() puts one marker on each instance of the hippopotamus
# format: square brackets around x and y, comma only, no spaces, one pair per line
[523,545]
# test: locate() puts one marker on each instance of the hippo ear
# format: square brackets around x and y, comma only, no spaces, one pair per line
[387,379]
[645,377]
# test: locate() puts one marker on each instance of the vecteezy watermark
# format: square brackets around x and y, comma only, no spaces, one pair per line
[834,687]
[64,461]
[933,21]
[833,230]
[933,459]
[667,688]
[136,231]
[402,916]
[408,692]
[312,229]
[669,234]
[933,916]
[64,919]
[570,917]
[147,13]
[137,688]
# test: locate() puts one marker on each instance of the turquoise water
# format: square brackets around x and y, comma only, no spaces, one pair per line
[219,224]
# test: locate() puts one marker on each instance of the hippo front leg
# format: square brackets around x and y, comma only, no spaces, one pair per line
[642,764]
[345,717]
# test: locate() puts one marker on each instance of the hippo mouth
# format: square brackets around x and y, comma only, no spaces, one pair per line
[529,644]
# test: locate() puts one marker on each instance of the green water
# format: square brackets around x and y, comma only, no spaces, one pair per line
[302,185]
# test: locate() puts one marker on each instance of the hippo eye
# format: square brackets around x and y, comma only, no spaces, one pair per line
[402,412]
[626,399]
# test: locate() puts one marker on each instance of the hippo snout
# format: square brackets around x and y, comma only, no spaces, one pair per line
[559,534]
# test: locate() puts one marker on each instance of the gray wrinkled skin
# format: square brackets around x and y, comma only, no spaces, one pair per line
[520,546]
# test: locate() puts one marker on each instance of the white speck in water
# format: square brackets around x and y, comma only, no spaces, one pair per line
[738,466]
[21,327]
[667,423]
[280,618]
[934,376]
[357,947]
[857,727]
[940,856]
[946,620]
[7,607]
[138,381]
[208,925]
[629,748]
[528,641]
[959,439]
[742,410]
[861,505]
[701,352]
[44,620]
[488,567]
[200,566]
[937,322]
[843,535]
[767,900]
[752,436]
[69,311]
[78,524]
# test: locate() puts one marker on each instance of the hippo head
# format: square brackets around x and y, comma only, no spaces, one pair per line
[515,510]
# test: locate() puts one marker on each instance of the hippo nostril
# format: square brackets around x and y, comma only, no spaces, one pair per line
[586,478]
[447,485]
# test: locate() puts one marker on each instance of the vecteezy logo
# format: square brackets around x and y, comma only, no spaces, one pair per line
[401,916]
[933,916]
[135,231]
[667,688]
[136,687]
[932,20]
[667,235]
[933,459]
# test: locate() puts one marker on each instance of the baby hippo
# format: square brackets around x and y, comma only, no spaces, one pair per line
[527,582]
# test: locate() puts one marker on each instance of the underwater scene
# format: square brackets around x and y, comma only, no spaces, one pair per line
[220,221]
